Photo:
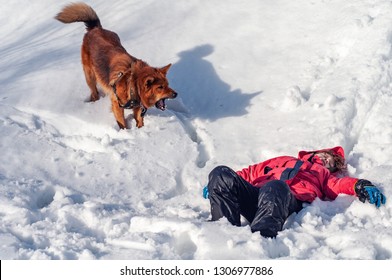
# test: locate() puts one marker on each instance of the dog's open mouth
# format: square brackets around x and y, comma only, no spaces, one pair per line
[161,104]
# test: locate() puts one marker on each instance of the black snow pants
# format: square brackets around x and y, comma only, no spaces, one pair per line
[265,208]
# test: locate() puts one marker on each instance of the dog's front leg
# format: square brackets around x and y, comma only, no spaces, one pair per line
[119,114]
[137,115]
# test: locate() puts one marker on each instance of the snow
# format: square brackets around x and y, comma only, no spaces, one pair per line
[256,79]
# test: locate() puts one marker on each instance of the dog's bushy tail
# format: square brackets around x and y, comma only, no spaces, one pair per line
[79,12]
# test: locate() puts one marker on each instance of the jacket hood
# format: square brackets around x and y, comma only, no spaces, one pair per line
[337,150]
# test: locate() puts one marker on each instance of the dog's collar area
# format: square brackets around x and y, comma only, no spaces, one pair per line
[131,103]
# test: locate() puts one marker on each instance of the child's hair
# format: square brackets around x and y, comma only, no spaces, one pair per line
[340,162]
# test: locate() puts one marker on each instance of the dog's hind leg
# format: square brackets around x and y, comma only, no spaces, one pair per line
[89,74]
[91,82]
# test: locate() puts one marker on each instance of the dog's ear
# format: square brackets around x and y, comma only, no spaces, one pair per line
[165,69]
[149,81]
[115,78]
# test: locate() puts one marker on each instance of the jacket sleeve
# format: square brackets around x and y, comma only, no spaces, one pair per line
[336,186]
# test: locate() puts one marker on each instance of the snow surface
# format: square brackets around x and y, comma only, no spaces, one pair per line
[256,79]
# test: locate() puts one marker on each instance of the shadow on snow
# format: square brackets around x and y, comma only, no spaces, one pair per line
[202,91]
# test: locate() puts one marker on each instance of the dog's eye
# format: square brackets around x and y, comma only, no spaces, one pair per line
[160,87]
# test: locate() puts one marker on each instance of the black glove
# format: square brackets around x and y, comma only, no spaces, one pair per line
[365,190]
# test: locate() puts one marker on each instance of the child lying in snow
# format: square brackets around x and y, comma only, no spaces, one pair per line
[267,193]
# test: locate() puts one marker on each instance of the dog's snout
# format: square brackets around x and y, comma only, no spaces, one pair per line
[174,94]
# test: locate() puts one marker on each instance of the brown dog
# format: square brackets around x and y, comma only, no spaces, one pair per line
[131,83]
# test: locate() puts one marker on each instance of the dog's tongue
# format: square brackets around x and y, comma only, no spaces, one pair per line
[161,104]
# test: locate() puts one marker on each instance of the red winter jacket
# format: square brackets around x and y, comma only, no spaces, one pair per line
[312,180]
